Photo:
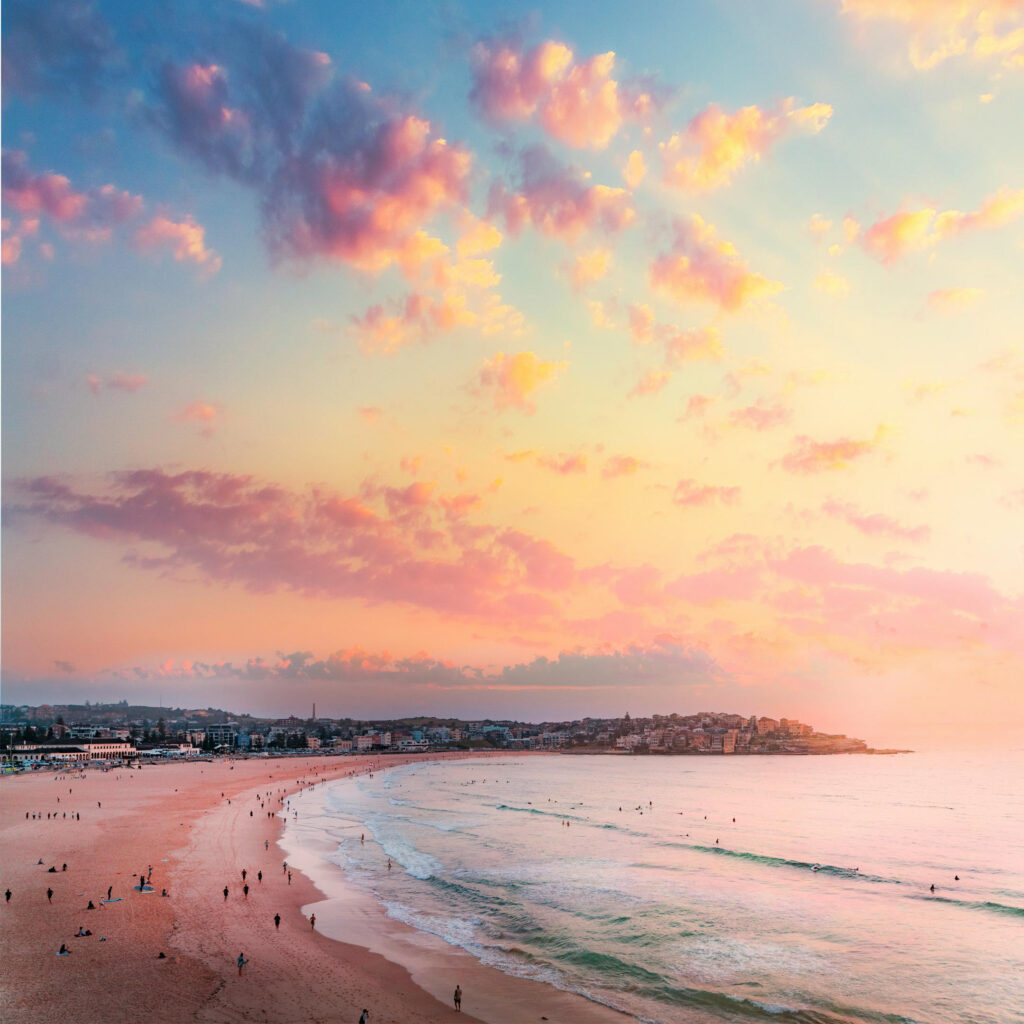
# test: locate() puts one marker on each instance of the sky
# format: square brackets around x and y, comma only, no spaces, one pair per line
[505,360]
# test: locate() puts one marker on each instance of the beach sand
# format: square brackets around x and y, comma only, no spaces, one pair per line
[173,817]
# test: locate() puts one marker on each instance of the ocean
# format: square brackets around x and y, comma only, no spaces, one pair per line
[682,889]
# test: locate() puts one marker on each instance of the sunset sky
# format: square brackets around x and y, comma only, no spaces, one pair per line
[517,360]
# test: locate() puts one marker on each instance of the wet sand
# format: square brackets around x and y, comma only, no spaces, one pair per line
[173,817]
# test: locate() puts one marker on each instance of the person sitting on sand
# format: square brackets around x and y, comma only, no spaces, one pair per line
[80,932]
[92,906]
[63,951]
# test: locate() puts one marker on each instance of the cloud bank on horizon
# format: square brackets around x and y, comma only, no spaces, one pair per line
[516,362]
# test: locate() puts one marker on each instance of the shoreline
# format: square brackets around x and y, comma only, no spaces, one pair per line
[198,826]
[348,914]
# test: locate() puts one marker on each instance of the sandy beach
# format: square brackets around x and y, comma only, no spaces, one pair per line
[195,827]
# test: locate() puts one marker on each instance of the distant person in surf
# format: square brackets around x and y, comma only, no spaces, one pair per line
[458,998]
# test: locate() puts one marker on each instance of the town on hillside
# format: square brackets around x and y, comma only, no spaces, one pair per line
[58,734]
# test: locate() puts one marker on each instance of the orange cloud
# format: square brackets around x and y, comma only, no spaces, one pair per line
[702,268]
[810,456]
[588,266]
[635,170]
[912,230]
[943,29]
[513,378]
[831,283]
[951,300]
[716,145]
[203,413]
[185,239]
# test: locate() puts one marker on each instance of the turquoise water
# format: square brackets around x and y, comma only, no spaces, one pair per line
[812,906]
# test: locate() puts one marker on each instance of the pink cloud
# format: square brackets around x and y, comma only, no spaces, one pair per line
[697,406]
[564,465]
[641,323]
[408,545]
[559,201]
[716,145]
[761,416]
[118,381]
[579,103]
[690,494]
[185,239]
[511,379]
[91,214]
[651,383]
[704,344]
[716,585]
[891,238]
[874,524]
[370,413]
[699,267]
[622,465]
[810,456]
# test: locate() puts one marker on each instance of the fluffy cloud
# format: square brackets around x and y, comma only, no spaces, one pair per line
[690,494]
[579,103]
[340,173]
[511,379]
[700,267]
[589,266]
[185,239]
[891,238]
[635,170]
[716,145]
[558,200]
[810,456]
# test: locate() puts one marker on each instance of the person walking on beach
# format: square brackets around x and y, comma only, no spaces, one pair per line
[245,890]
[458,998]
[259,877]
[49,895]
[364,1017]
[241,963]
[110,889]
[312,922]
[277,921]
[7,895]
[225,893]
